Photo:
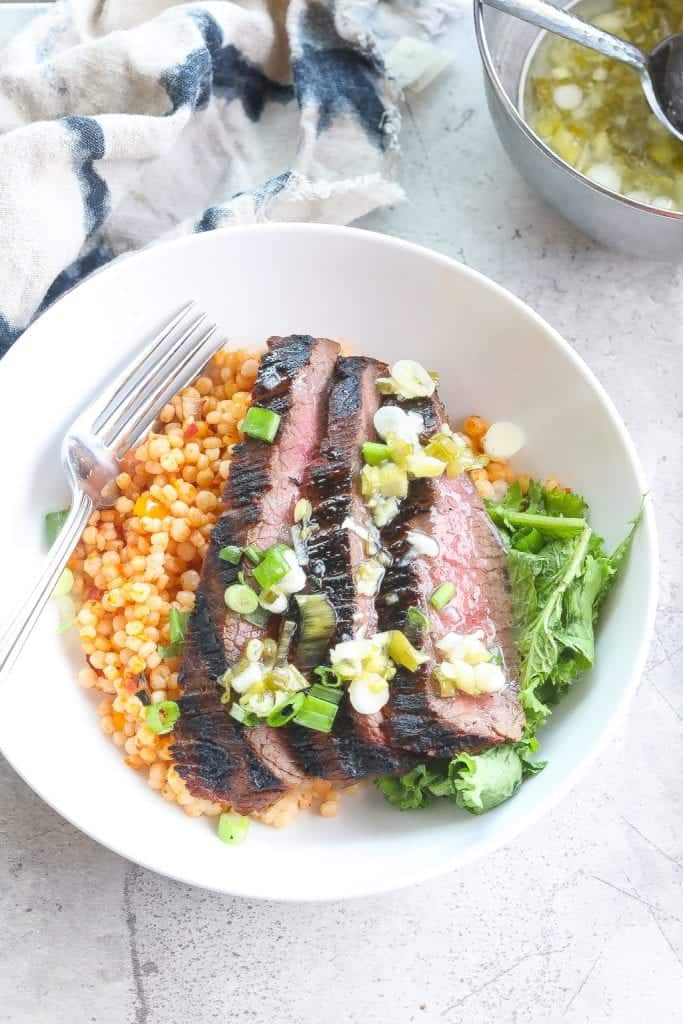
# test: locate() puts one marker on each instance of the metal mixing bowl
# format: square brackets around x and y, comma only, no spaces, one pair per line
[632,227]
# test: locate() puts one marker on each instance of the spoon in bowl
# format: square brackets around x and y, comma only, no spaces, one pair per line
[661,71]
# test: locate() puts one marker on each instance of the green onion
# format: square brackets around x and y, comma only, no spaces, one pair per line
[244,717]
[261,424]
[54,521]
[286,710]
[177,623]
[530,540]
[241,599]
[172,651]
[254,554]
[285,642]
[273,568]
[318,623]
[442,595]
[269,649]
[329,693]
[328,676]
[67,613]
[160,718]
[416,618]
[303,510]
[64,584]
[316,714]
[231,554]
[374,453]
[232,828]
[402,652]
[258,618]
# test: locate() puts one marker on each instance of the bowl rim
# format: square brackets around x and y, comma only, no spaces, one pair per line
[533,137]
[509,832]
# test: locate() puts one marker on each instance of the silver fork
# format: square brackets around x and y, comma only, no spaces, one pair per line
[110,426]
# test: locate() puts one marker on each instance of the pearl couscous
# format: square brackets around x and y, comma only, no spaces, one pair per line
[143,557]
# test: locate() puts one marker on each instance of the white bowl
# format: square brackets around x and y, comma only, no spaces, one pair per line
[389,299]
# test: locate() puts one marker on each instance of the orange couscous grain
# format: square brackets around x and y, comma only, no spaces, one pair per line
[136,561]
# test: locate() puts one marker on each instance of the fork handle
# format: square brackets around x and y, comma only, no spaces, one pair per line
[22,625]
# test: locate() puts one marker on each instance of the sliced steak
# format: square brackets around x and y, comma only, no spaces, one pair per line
[217,757]
[355,748]
[472,557]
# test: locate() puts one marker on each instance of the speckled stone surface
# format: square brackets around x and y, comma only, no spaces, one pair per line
[581,919]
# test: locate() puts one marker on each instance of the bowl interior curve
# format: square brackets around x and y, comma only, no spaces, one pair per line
[386,298]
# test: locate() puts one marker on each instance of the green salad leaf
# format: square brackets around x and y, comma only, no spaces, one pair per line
[475,783]
[488,779]
[413,789]
[560,574]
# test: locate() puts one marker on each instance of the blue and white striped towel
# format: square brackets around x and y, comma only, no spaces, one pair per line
[126,121]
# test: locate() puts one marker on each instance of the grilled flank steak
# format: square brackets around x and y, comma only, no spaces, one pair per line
[337,547]
[449,510]
[215,755]
[327,404]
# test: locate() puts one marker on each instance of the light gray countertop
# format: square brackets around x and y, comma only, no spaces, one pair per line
[579,920]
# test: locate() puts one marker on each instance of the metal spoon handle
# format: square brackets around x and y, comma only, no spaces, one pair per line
[545,15]
[12,642]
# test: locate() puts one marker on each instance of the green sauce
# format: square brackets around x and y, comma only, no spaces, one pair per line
[592,112]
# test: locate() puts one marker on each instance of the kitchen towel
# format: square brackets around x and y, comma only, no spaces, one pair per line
[126,121]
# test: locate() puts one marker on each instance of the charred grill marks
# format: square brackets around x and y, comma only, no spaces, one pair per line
[355,748]
[327,405]
[213,752]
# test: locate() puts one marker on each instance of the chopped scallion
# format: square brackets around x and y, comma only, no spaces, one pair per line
[160,718]
[172,651]
[286,710]
[241,599]
[273,567]
[261,424]
[67,613]
[416,618]
[402,652]
[329,693]
[231,554]
[232,828]
[259,617]
[244,717]
[328,676]
[285,642]
[442,595]
[177,623]
[303,510]
[316,714]
[375,454]
[64,584]
[54,521]
[254,554]
[318,622]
